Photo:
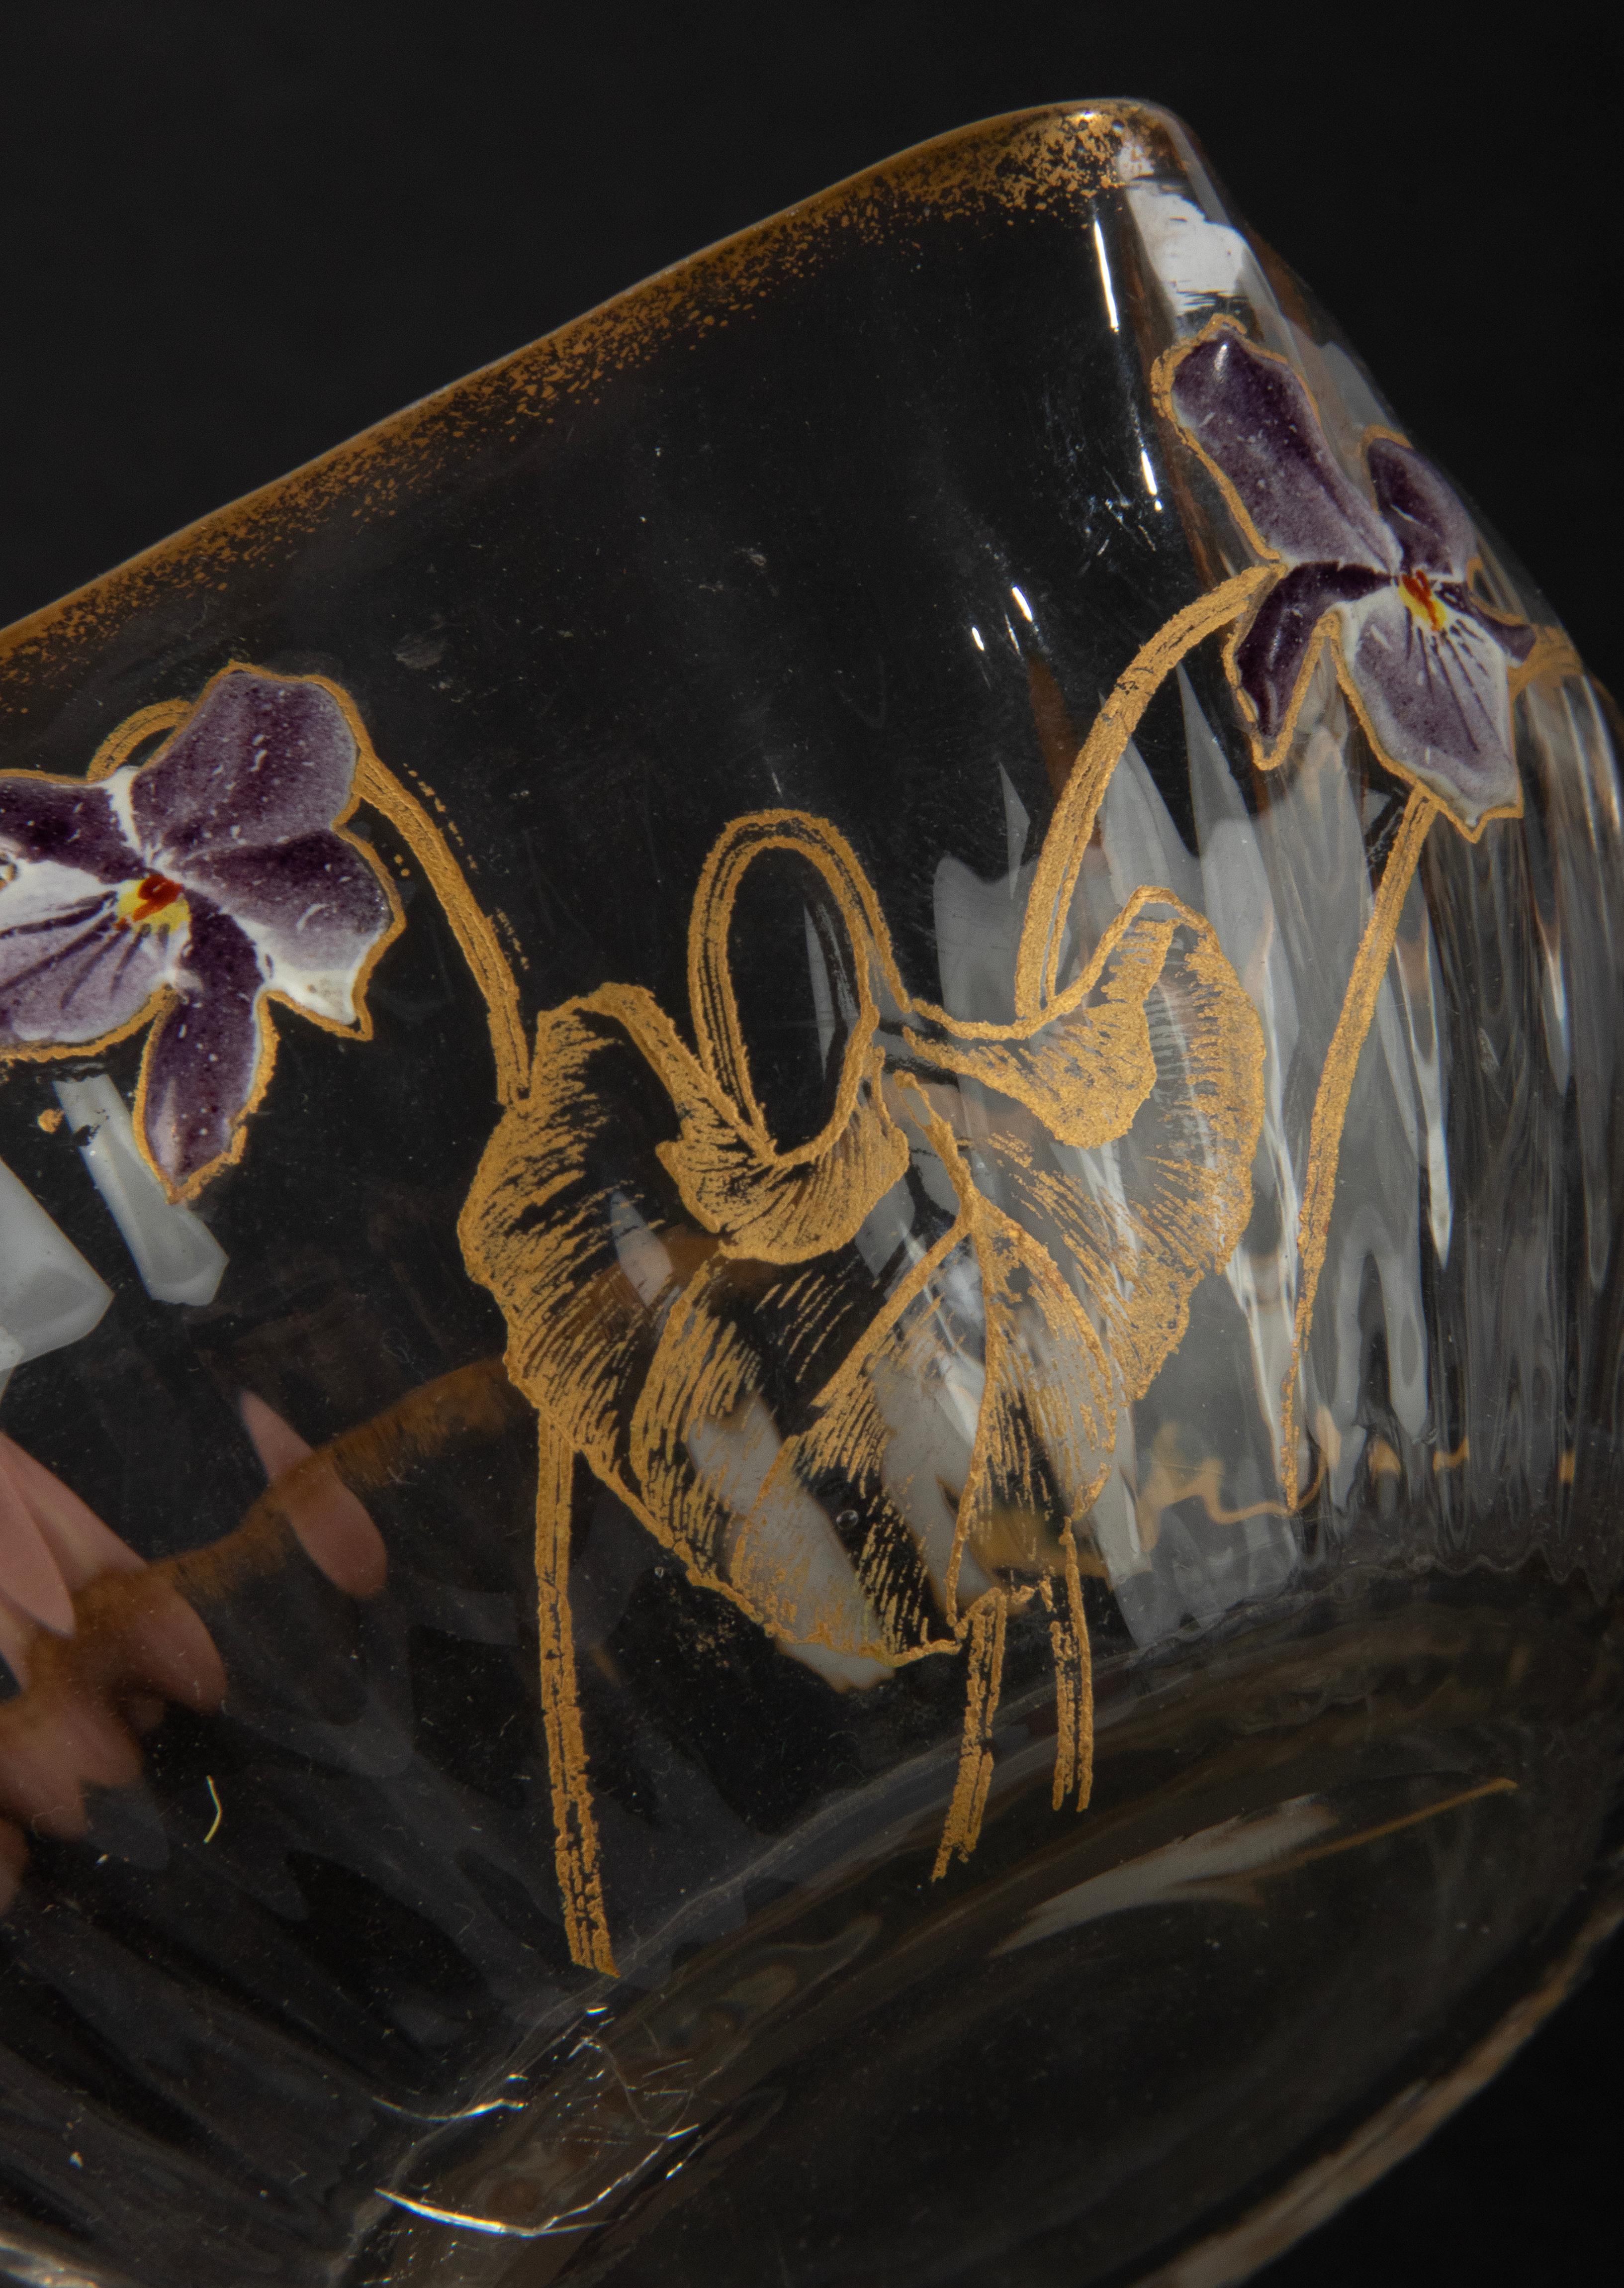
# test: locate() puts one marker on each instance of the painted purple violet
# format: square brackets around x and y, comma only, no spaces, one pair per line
[185,891]
[1386,580]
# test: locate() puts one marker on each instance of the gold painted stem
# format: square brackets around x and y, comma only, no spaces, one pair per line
[575,1828]
[984,1678]
[1068,1638]
[1072,827]
[1325,1134]
[472,928]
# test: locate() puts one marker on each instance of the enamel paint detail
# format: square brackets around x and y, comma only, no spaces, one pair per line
[184,892]
[1386,579]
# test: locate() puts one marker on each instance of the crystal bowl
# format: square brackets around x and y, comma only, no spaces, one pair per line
[809,1469]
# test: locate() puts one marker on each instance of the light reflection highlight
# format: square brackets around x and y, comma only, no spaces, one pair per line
[1105,279]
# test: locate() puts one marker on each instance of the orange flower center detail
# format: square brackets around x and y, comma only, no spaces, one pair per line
[154,902]
[1417,590]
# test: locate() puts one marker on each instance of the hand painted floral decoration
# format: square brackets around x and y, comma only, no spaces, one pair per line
[185,892]
[1423,659]
[1427,666]
[869,1385]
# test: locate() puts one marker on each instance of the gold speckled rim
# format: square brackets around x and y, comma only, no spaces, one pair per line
[1022,162]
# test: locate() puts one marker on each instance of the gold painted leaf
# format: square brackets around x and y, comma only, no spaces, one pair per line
[1084,1070]
[1048,1420]
[897,1534]
[571,1174]
[744,1347]
[778,1207]
[1134,1228]
[784,1207]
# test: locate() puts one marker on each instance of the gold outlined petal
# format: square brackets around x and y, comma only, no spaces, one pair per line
[1267,754]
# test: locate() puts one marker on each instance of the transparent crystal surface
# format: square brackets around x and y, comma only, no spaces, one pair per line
[844,1059]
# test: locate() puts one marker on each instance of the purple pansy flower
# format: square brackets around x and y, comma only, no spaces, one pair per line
[1384,579]
[185,890]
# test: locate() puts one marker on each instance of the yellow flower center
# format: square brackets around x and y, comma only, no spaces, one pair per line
[154,902]
[1416,589]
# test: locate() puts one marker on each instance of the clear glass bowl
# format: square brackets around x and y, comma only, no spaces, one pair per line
[807,1258]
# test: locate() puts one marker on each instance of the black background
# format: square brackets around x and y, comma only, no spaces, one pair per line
[231,232]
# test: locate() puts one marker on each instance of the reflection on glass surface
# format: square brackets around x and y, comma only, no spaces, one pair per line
[809,1205]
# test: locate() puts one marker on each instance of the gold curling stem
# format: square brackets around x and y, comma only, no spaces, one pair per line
[1072,827]
[1065,1706]
[717,1034]
[1358,1011]
[470,926]
[984,1663]
[1068,1637]
[575,1830]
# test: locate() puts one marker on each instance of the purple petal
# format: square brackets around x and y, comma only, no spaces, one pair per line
[1256,423]
[1515,637]
[1437,705]
[202,1056]
[68,823]
[314,910]
[259,762]
[1270,656]
[1425,514]
[69,972]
